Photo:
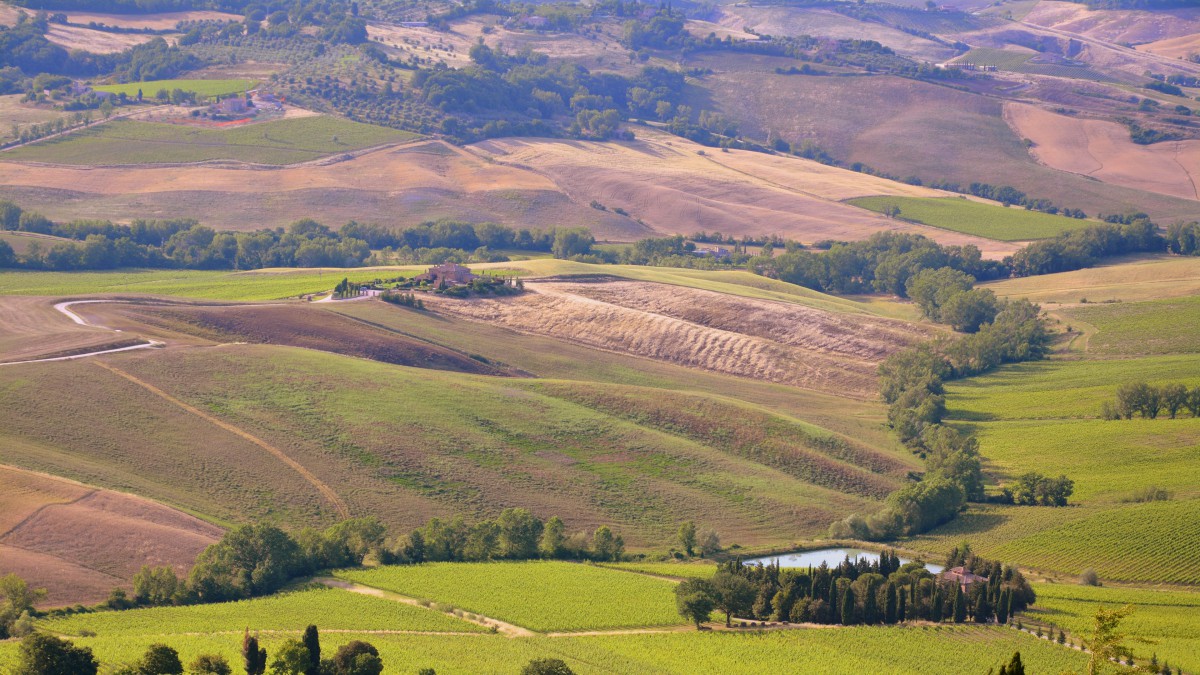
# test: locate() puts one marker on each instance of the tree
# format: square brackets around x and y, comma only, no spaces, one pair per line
[960,605]
[155,585]
[734,594]
[209,664]
[687,537]
[554,536]
[519,534]
[847,613]
[42,654]
[932,288]
[18,597]
[291,658]
[254,658]
[572,241]
[160,660]
[710,543]
[547,667]
[969,310]
[1105,641]
[606,545]
[695,599]
[890,604]
[1089,578]
[312,642]
[357,658]
[1174,398]
[1014,667]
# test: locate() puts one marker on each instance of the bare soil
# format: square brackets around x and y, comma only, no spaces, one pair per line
[30,328]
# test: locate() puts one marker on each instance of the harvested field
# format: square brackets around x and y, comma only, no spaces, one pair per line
[21,241]
[1103,150]
[14,112]
[764,340]
[1143,278]
[404,185]
[307,327]
[1121,26]
[908,128]
[156,21]
[79,542]
[667,183]
[31,328]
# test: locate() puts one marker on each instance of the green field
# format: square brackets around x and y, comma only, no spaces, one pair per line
[971,217]
[1045,417]
[1163,622]
[290,612]
[203,88]
[685,570]
[1141,328]
[287,141]
[553,596]
[885,651]
[1020,62]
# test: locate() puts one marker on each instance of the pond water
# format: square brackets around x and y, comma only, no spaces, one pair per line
[829,556]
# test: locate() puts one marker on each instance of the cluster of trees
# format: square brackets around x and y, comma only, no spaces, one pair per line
[882,263]
[1149,401]
[1184,238]
[516,534]
[862,592]
[42,654]
[1035,489]
[16,608]
[674,251]
[1077,249]
[912,383]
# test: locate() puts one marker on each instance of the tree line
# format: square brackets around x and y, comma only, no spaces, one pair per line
[1149,401]
[185,243]
[862,592]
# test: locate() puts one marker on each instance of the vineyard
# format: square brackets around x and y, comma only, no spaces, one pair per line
[1163,622]
[700,570]
[1141,328]
[553,596]
[333,609]
[287,141]
[971,217]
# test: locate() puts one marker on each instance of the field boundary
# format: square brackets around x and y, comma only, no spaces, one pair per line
[342,508]
[509,629]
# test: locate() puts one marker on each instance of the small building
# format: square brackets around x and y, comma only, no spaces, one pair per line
[963,577]
[451,274]
[535,22]
[718,252]
[413,24]
[234,105]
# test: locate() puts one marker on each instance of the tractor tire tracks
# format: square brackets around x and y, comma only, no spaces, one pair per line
[338,504]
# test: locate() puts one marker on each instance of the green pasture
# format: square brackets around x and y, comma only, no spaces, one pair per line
[286,141]
[975,218]
[1141,328]
[202,88]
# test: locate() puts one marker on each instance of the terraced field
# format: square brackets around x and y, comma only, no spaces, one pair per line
[971,217]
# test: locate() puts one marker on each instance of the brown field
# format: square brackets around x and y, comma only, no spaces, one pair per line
[909,128]
[1176,48]
[795,21]
[13,111]
[78,37]
[1125,26]
[764,340]
[667,183]
[21,241]
[31,328]
[301,326]
[393,186]
[158,21]
[1103,150]
[79,542]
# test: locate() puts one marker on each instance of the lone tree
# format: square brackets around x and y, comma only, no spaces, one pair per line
[687,537]
[1105,642]
[695,599]
[547,667]
[254,657]
[161,660]
[733,594]
[42,654]
[312,642]
[210,664]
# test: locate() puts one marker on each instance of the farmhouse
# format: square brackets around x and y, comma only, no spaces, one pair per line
[963,577]
[452,274]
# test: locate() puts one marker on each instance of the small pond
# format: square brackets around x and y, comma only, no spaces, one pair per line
[829,556]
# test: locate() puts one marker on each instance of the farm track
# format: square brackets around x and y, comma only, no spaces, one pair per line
[342,508]
[511,630]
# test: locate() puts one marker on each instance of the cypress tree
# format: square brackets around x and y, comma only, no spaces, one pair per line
[1015,667]
[871,605]
[889,610]
[848,607]
[312,641]
[960,605]
[935,606]
[1002,608]
[900,608]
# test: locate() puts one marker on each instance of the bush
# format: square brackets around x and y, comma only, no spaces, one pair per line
[1089,578]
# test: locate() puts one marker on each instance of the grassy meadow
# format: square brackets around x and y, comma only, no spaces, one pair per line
[971,217]
[1140,328]
[202,88]
[287,141]
[1131,279]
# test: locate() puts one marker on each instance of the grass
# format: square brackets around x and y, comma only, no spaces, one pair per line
[540,596]
[1045,417]
[287,141]
[1130,279]
[203,88]
[1141,328]
[887,651]
[688,570]
[975,218]
[333,609]
[1020,62]
[1163,622]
